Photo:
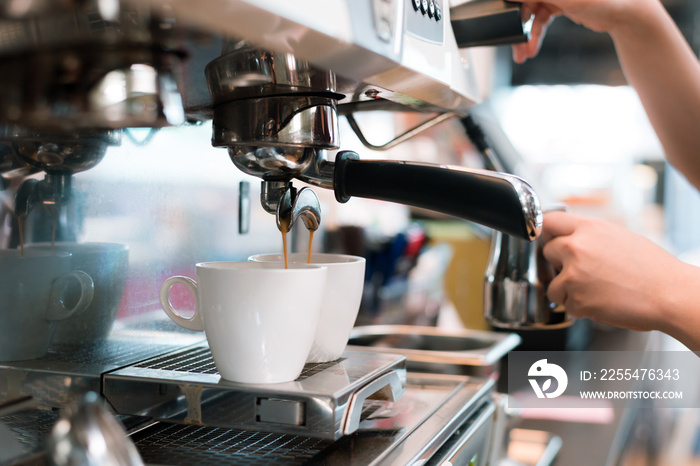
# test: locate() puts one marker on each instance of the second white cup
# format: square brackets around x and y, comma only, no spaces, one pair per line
[260,319]
[341,299]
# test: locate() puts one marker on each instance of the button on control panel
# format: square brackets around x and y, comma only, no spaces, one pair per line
[424,19]
[429,8]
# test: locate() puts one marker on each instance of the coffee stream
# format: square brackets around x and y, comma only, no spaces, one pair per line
[20,227]
[311,240]
[284,229]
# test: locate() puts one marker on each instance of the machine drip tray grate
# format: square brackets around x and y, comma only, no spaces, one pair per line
[31,428]
[198,360]
[185,444]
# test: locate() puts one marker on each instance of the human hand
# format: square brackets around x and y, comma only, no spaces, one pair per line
[610,274]
[542,15]
[597,15]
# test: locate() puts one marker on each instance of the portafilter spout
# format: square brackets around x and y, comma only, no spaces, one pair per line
[288,204]
[294,204]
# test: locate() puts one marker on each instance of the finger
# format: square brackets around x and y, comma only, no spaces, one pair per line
[520,53]
[526,11]
[556,291]
[553,253]
[541,18]
[558,223]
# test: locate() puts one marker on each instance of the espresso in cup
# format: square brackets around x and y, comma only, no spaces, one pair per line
[37,290]
[260,319]
[341,299]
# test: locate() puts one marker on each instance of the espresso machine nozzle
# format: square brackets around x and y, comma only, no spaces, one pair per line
[287,203]
[294,204]
[59,156]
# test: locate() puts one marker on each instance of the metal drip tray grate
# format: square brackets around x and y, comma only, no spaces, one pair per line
[69,371]
[31,428]
[176,444]
[115,352]
[199,361]
[196,360]
[325,401]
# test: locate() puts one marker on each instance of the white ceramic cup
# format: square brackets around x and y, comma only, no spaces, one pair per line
[34,291]
[107,264]
[259,318]
[341,299]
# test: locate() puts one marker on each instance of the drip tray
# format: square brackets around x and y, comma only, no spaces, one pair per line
[436,413]
[326,401]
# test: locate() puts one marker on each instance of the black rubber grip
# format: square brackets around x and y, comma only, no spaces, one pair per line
[474,195]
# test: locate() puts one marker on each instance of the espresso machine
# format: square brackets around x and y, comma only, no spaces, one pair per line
[116,117]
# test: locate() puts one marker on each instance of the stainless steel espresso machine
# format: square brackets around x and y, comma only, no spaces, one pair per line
[116,116]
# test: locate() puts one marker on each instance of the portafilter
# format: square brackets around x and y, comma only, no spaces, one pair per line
[277,116]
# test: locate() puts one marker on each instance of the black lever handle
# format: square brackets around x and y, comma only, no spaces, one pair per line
[499,201]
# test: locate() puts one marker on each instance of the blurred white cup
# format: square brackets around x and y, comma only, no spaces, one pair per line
[34,295]
[108,265]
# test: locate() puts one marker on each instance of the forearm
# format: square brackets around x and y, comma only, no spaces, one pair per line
[678,307]
[660,65]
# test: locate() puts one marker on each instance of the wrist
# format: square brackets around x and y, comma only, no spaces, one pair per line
[677,309]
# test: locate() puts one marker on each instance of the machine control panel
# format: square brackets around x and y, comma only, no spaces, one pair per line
[424,20]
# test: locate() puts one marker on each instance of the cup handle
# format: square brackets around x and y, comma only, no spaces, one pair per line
[57,309]
[193,323]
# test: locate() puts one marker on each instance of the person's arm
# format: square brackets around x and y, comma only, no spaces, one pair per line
[662,68]
[657,62]
[614,276]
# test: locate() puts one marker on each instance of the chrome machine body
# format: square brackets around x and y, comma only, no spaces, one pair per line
[109,111]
